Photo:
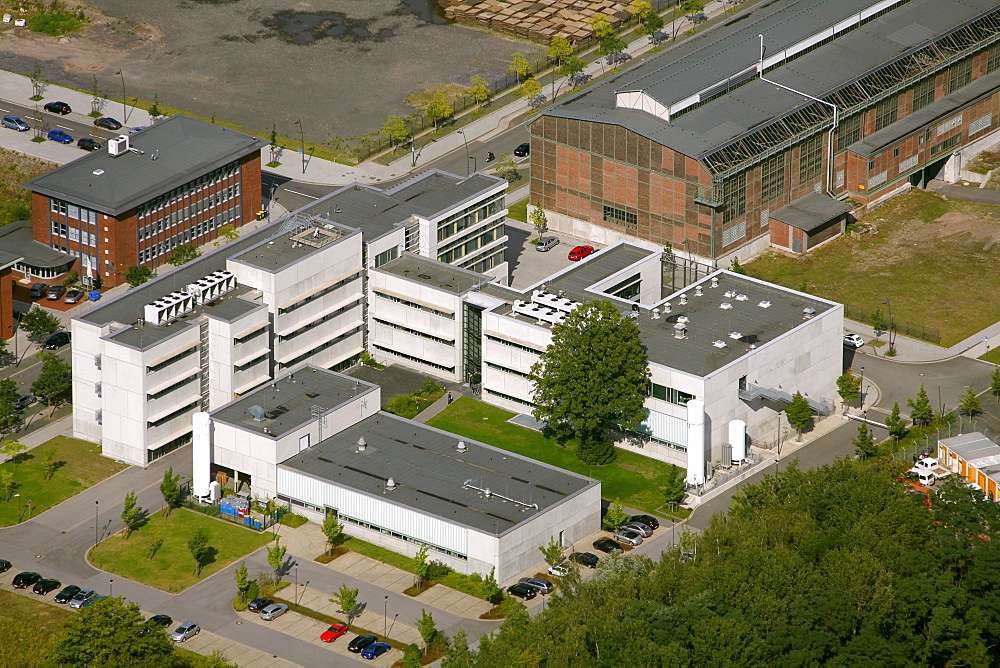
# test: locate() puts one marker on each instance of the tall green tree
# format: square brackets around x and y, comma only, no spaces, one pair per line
[13,450]
[131,512]
[614,517]
[519,65]
[995,383]
[427,628]
[419,564]
[9,394]
[242,577]
[395,130]
[55,380]
[675,488]
[480,89]
[552,551]
[276,556]
[412,656]
[559,50]
[438,109]
[50,463]
[592,377]
[863,443]
[110,633]
[969,404]
[199,548]
[799,413]
[170,491]
[135,275]
[458,654]
[538,219]
[921,412]
[184,254]
[347,600]
[6,483]
[38,322]
[877,321]
[896,423]
[333,531]
[849,387]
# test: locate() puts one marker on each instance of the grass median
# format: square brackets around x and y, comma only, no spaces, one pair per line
[168,565]
[632,480]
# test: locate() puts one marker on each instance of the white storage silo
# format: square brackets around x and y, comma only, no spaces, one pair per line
[696,442]
[738,440]
[201,454]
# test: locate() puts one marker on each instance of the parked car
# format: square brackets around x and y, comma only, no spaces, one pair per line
[546,243]
[185,631]
[88,144]
[522,150]
[360,642]
[853,341]
[45,585]
[522,590]
[58,108]
[639,528]
[24,401]
[82,597]
[580,252]
[687,555]
[607,545]
[73,297]
[156,622]
[138,128]
[648,520]
[628,537]
[333,632]
[67,594]
[259,604]
[584,559]
[273,611]
[60,136]
[15,123]
[57,340]
[541,584]
[4,565]
[25,579]
[91,601]
[559,570]
[55,293]
[107,123]
[375,650]
[38,289]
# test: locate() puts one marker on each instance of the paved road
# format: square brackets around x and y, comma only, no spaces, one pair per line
[72,124]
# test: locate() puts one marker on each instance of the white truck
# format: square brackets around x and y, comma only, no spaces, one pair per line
[928,470]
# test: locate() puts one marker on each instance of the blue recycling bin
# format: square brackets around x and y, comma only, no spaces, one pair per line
[94,295]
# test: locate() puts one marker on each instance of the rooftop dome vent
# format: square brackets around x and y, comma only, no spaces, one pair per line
[390,484]
[719,344]
[764,304]
[362,444]
[461,447]
[735,335]
[725,306]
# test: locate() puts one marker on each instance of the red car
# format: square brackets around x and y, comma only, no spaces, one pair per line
[580,252]
[333,633]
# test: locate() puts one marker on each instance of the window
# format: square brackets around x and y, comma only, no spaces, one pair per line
[946,144]
[387,256]
[923,93]
[522,374]
[849,132]
[396,353]
[252,335]
[167,390]
[421,307]
[895,152]
[886,112]
[252,363]
[176,358]
[176,414]
[993,58]
[509,397]
[772,177]
[810,159]
[960,75]
[629,221]
[734,201]
[318,295]
[512,344]
[669,394]
[415,332]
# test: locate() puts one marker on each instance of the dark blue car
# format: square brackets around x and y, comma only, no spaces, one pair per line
[375,650]
[59,136]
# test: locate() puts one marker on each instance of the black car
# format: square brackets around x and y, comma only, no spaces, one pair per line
[648,520]
[88,144]
[57,340]
[66,594]
[522,590]
[607,545]
[4,565]
[584,559]
[360,643]
[58,108]
[107,123]
[38,289]
[259,604]
[155,622]
[25,579]
[23,402]
[44,586]
[522,150]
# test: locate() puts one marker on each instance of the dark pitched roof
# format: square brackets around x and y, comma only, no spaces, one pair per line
[16,239]
[173,152]
[811,211]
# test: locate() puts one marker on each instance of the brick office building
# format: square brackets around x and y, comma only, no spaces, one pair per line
[176,182]
[720,147]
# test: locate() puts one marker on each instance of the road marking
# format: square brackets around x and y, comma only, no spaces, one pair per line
[64,127]
[6,111]
[296,192]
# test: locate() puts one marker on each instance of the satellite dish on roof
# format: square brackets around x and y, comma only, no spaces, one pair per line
[257,412]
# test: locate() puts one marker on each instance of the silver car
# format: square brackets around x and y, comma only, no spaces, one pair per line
[546,243]
[628,536]
[185,631]
[81,598]
[273,611]
[15,123]
[639,528]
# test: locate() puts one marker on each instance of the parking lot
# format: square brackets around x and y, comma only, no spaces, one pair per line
[528,266]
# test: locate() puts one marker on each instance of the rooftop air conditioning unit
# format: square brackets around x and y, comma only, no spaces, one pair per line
[118,146]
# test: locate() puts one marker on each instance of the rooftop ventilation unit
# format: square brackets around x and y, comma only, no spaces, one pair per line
[735,335]
[213,286]
[390,485]
[362,444]
[461,447]
[632,315]
[764,304]
[557,302]
[118,146]
[808,312]
[168,308]
[487,493]
[656,314]
[666,307]
[741,297]
[680,330]
[719,344]
[725,306]
[97,172]
[684,300]
[683,319]
[257,412]
[715,281]
[730,294]
[698,291]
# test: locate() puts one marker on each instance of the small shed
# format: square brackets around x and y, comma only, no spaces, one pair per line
[807,222]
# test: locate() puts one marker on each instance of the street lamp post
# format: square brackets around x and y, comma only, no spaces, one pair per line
[97,505]
[29,509]
[111,588]
[124,104]
[296,584]
[302,144]
[385,617]
[18,497]
[892,339]
[466,140]
[862,385]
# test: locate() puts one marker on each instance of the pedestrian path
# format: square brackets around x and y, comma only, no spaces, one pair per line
[914,350]
[207,643]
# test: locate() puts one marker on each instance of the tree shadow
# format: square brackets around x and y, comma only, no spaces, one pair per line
[286,566]
[208,557]
[141,520]
[54,468]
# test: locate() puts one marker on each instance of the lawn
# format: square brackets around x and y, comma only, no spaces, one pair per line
[171,568]
[632,480]
[927,251]
[80,465]
[518,210]
[29,629]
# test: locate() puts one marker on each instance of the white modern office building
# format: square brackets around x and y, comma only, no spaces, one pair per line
[291,293]
[317,440]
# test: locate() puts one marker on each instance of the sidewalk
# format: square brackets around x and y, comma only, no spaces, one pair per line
[916,351]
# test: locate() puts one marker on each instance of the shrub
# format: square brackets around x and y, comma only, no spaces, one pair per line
[54,23]
[437,570]
[292,520]
[405,405]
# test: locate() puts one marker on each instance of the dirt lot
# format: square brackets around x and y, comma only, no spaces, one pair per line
[340,65]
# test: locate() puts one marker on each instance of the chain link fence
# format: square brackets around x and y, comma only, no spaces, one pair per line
[961,424]
[904,327]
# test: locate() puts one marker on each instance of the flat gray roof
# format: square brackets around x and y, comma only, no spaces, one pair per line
[576,281]
[434,273]
[289,402]
[16,239]
[174,151]
[971,445]
[430,474]
[811,211]
[300,238]
[733,47]
[377,211]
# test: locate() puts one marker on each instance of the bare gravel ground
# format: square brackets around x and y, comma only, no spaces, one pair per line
[342,66]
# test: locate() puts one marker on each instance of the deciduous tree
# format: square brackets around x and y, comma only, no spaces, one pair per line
[995,382]
[675,488]
[228,233]
[921,412]
[6,482]
[50,463]
[39,322]
[168,488]
[135,275]
[184,254]
[519,65]
[480,89]
[614,517]
[131,512]
[13,450]
[110,633]
[427,628]
[9,394]
[538,219]
[276,556]
[438,109]
[419,564]
[849,387]
[592,377]
[799,413]
[552,551]
[199,549]
[334,532]
[529,88]
[458,654]
[507,168]
[55,380]
[242,578]
[877,321]
[395,130]
[347,600]
[736,267]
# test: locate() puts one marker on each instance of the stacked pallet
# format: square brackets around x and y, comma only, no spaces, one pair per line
[536,20]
